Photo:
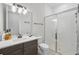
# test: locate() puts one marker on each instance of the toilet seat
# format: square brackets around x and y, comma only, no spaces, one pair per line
[43,45]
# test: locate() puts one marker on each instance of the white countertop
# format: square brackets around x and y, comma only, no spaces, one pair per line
[7,43]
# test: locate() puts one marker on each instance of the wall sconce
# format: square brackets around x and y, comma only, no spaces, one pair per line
[20,10]
[14,8]
[24,11]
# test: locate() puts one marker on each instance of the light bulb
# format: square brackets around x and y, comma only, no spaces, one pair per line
[25,11]
[14,8]
[20,10]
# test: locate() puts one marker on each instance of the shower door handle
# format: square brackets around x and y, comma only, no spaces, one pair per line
[56,36]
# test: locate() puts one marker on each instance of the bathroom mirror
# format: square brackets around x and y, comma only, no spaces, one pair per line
[18,23]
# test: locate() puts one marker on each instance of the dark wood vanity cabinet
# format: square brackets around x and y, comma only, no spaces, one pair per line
[27,48]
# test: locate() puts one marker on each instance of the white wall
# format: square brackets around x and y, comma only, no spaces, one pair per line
[1,17]
[48,10]
[38,17]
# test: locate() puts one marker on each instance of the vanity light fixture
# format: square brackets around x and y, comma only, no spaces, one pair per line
[19,9]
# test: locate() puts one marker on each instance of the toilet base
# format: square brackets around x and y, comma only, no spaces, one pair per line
[42,52]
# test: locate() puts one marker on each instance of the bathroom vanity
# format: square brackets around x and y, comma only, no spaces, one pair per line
[23,46]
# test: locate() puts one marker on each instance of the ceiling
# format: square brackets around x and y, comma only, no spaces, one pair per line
[53,5]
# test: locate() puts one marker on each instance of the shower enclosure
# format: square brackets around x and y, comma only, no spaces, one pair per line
[61,32]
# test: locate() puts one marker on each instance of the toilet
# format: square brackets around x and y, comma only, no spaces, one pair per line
[43,49]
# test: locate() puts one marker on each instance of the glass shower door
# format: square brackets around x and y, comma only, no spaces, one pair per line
[67,36]
[50,31]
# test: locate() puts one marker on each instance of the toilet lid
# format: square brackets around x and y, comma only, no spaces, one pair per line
[43,45]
